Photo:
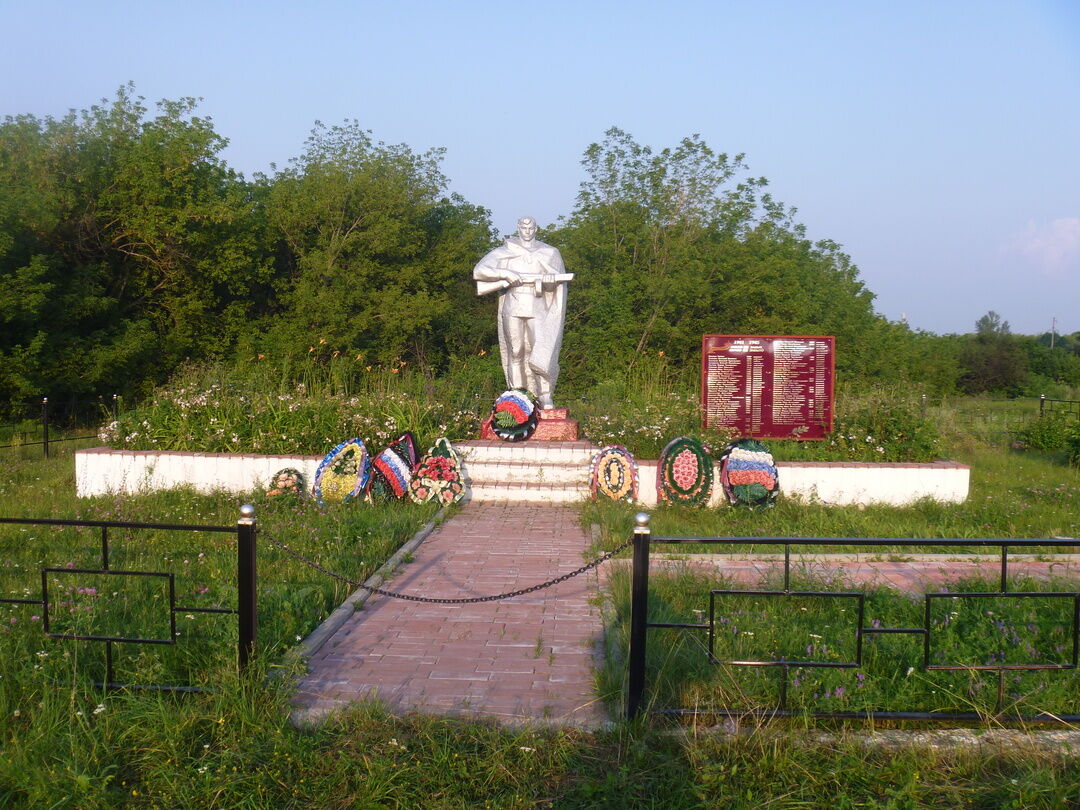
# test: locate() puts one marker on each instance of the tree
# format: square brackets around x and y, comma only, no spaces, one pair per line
[126,245]
[992,360]
[373,258]
[673,244]
[991,325]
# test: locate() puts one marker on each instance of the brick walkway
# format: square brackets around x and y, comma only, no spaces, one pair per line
[529,658]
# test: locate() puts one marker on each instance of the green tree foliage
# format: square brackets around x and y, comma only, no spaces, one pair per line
[126,245]
[993,359]
[672,244]
[373,258]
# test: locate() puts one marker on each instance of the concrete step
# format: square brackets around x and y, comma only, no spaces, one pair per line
[526,492]
[539,472]
[542,453]
[525,472]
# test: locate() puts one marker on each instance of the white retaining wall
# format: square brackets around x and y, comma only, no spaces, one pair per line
[837,483]
[100,471]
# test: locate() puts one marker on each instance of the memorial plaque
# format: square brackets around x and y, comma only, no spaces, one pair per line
[769,386]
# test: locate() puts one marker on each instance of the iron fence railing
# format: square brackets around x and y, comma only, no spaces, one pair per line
[245,611]
[1070,407]
[997,413]
[49,422]
[640,625]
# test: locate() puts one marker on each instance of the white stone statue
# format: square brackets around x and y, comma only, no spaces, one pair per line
[530,279]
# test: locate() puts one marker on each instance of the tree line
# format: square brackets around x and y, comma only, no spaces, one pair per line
[128,247]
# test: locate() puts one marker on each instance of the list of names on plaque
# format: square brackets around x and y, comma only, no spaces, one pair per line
[768,386]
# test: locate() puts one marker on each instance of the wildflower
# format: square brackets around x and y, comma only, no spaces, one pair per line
[526,749]
[322,341]
[100,708]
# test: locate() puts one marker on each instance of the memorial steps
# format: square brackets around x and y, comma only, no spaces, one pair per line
[531,471]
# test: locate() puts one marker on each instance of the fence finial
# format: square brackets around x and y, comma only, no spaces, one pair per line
[641,523]
[247,513]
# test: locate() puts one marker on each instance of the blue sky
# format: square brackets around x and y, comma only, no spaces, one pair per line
[938,142]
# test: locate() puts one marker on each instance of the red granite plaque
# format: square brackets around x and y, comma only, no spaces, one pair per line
[769,386]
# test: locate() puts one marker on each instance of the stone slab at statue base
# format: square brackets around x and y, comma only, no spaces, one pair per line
[555,425]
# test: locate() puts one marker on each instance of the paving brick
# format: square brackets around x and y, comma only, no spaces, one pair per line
[476,659]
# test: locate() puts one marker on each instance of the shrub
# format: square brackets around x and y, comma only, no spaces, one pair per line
[1072,443]
[1049,432]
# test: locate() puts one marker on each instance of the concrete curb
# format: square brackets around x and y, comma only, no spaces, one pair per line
[1063,744]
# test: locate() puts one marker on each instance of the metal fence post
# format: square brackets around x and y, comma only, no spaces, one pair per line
[245,584]
[45,425]
[639,614]
[922,406]
[1042,404]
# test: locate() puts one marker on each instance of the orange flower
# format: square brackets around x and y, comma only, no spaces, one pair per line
[261,356]
[395,370]
[322,341]
[310,349]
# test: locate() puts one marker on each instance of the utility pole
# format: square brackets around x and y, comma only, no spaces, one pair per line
[1053,331]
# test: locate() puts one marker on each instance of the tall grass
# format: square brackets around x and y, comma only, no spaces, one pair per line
[309,407]
[67,744]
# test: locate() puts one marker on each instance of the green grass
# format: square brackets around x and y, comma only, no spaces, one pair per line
[966,631]
[65,744]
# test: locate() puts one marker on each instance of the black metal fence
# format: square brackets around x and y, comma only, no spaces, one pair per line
[40,424]
[245,611]
[1067,407]
[640,625]
[997,415]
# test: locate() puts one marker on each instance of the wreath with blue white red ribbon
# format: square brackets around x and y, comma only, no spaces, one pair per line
[515,415]
[748,474]
[392,469]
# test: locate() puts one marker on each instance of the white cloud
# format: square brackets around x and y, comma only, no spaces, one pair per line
[1053,247]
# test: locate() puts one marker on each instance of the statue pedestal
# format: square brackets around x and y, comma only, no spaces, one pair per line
[554,426]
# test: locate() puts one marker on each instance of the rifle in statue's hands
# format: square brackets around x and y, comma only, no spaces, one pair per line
[537,280]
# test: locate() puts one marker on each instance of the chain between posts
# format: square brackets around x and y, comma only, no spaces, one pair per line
[296,555]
